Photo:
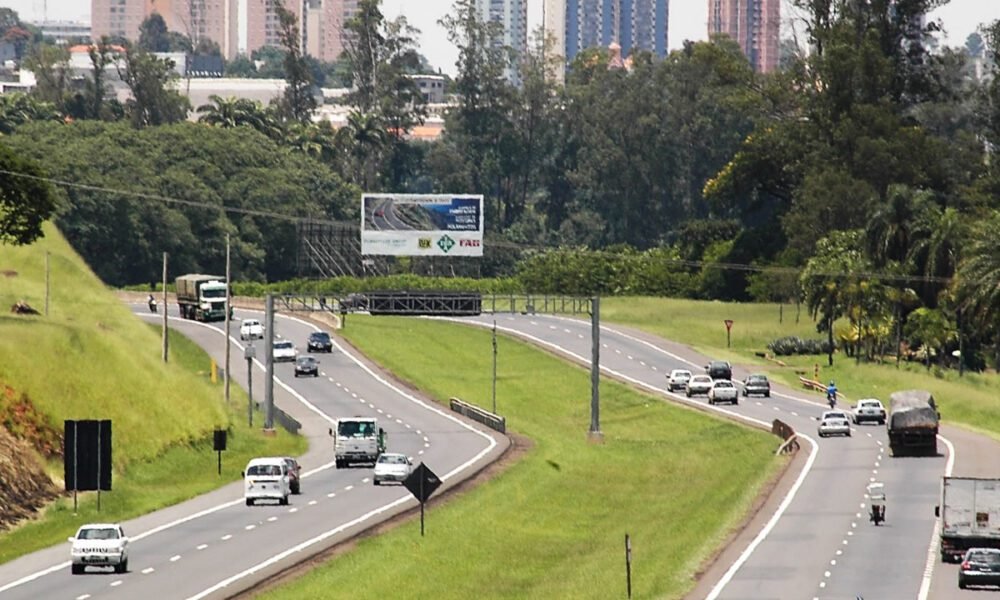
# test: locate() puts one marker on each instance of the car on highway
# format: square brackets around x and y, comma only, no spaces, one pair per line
[677,380]
[756,383]
[306,365]
[723,390]
[284,351]
[698,384]
[99,545]
[980,566]
[266,478]
[868,409]
[294,474]
[319,341]
[834,422]
[251,329]
[719,369]
[391,466]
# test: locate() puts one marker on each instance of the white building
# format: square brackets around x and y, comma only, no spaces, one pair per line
[513,16]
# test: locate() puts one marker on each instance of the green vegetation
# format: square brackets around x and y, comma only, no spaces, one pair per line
[553,525]
[91,358]
[969,400]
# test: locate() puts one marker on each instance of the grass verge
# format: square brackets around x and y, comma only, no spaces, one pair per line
[182,471]
[969,400]
[553,525]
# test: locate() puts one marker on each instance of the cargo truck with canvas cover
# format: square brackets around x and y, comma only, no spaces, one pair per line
[202,297]
[912,423]
[357,440]
[970,515]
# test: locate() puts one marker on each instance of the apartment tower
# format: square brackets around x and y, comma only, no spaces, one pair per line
[632,24]
[754,24]
[513,17]
[213,20]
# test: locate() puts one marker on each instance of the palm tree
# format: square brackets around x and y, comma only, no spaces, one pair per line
[239,112]
[890,226]
[977,281]
[365,137]
[938,236]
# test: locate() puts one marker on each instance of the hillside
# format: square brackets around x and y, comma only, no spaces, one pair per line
[90,358]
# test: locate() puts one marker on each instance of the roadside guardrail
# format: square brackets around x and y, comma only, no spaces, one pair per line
[785,432]
[495,422]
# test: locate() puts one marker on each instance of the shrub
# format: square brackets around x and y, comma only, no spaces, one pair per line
[787,346]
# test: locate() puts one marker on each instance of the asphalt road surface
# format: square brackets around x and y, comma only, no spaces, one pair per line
[820,543]
[214,545]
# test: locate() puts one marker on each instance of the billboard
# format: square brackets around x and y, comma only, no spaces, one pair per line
[422,224]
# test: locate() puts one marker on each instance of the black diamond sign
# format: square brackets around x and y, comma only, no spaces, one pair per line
[422,482]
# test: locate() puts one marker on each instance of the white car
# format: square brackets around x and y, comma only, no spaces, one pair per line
[698,384]
[267,479]
[392,467]
[869,409]
[251,329]
[284,351]
[99,545]
[723,390]
[677,380]
[834,422]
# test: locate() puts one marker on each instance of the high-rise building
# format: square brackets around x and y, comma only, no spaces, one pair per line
[754,24]
[213,20]
[321,25]
[632,24]
[513,17]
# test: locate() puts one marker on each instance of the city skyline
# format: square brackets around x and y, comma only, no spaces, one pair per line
[688,20]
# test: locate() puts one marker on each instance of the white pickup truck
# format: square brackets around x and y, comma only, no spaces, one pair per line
[99,545]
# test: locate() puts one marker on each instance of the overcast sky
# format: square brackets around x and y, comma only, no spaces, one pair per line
[687,20]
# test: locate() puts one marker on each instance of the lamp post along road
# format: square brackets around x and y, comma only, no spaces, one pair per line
[494,366]
[595,369]
[269,361]
[229,311]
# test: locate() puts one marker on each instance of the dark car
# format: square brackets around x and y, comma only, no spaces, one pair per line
[719,369]
[306,365]
[980,566]
[319,341]
[757,384]
[294,475]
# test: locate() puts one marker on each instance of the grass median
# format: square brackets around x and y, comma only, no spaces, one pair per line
[969,400]
[553,524]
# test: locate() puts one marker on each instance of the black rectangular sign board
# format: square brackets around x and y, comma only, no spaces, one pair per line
[87,455]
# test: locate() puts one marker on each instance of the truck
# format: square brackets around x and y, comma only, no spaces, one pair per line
[969,514]
[912,423]
[357,440]
[202,297]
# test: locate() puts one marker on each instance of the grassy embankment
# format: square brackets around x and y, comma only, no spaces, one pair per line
[553,525]
[92,359]
[969,400]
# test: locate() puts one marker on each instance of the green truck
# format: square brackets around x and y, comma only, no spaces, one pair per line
[202,297]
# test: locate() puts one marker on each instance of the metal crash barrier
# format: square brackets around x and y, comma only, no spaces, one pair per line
[785,432]
[495,422]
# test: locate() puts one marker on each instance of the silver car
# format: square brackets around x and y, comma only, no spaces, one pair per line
[834,422]
[869,409]
[677,380]
[392,467]
[723,390]
[698,384]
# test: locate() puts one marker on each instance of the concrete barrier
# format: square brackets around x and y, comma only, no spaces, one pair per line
[495,422]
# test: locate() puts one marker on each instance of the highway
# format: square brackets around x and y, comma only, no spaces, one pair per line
[214,545]
[820,544]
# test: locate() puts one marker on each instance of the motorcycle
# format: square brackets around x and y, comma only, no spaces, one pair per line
[152,305]
[831,399]
[876,502]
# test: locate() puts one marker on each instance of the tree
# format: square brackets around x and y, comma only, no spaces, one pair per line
[101,56]
[153,34]
[26,200]
[365,138]
[237,112]
[50,64]
[298,102]
[890,229]
[932,330]
[153,102]
[17,109]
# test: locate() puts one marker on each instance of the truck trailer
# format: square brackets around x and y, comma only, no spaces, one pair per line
[202,297]
[912,423]
[357,440]
[970,515]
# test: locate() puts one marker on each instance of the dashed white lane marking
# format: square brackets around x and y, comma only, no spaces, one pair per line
[604,345]
[379,410]
[642,362]
[353,395]
[388,416]
[876,463]
[83,597]
[201,546]
[533,322]
[331,494]
[407,425]
[425,439]
[628,356]
[421,452]
[854,525]
[653,367]
[553,327]
[567,331]
[346,389]
[579,335]
[116,583]
[371,405]
[330,378]
[844,542]
[338,384]
[617,351]
[839,552]
[348,488]
[147,570]
[226,537]
[250,527]
[759,403]
[400,421]
[857,515]
[361,400]
[312,502]
[427,445]
[850,533]
[777,408]
[365,480]
[871,479]
[293,510]
[175,558]
[272,519]
[795,414]
[826,574]
[420,432]
[833,562]
[822,584]
[869,435]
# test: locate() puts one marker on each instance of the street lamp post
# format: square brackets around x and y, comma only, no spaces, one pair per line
[494,366]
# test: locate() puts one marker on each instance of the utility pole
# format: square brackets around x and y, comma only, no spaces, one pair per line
[269,361]
[494,366]
[165,308]
[229,310]
[249,351]
[595,369]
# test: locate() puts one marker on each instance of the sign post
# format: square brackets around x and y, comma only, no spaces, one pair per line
[729,327]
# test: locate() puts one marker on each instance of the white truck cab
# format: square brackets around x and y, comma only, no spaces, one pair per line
[267,479]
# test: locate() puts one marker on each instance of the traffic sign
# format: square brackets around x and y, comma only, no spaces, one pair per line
[729,324]
[422,482]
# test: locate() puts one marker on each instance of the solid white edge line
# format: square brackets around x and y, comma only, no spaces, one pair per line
[932,549]
[785,502]
[492,444]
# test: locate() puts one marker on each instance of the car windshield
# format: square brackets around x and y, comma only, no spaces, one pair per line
[990,558]
[834,415]
[306,360]
[356,428]
[266,470]
[102,533]
[723,384]
[320,337]
[250,323]
[870,403]
[701,378]
[682,373]
[282,345]
[213,293]
[392,459]
[757,379]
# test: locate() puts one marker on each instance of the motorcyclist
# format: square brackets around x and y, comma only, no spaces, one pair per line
[831,393]
[151,301]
